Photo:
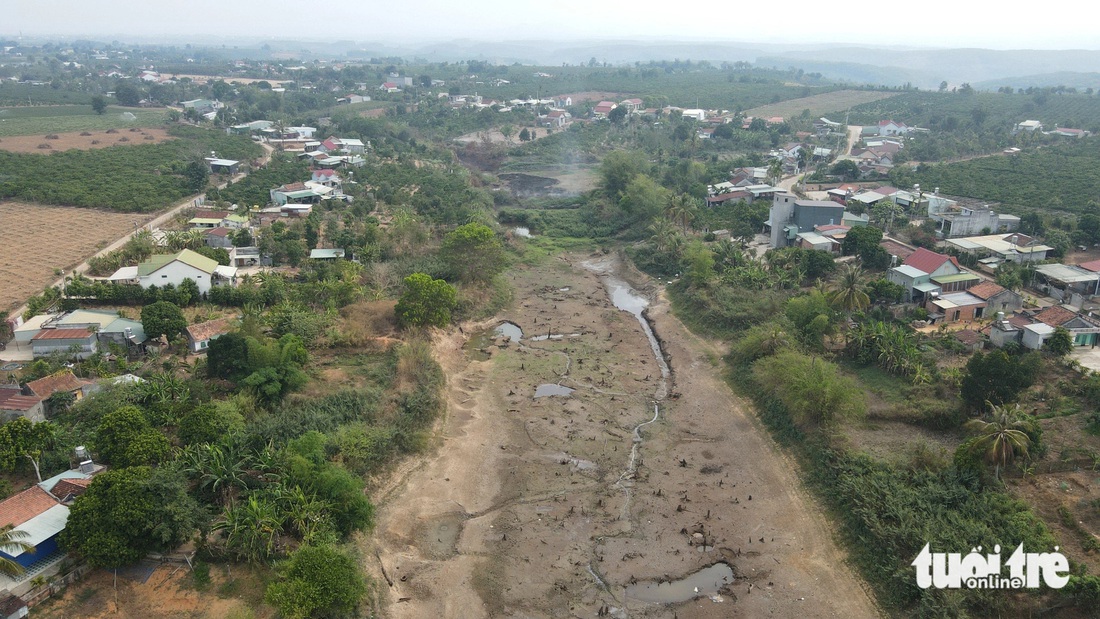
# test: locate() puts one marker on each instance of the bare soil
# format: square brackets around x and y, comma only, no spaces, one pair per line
[528,507]
[35,239]
[169,593]
[74,140]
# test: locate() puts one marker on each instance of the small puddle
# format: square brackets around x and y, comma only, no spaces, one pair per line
[522,231]
[708,581]
[477,346]
[509,330]
[550,389]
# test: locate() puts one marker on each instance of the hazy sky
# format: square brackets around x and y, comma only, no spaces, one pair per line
[936,23]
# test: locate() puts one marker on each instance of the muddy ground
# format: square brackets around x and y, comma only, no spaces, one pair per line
[529,507]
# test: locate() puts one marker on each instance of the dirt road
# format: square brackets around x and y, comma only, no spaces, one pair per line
[531,506]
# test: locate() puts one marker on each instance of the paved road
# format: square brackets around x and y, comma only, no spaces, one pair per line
[149,225]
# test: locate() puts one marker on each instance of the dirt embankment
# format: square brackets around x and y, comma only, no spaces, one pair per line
[530,506]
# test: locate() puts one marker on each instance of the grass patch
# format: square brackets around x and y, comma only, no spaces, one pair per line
[43,119]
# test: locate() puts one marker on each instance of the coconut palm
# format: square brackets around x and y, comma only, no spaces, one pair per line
[848,294]
[1001,440]
[193,239]
[681,209]
[11,541]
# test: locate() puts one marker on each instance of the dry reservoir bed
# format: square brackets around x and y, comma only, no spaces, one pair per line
[578,503]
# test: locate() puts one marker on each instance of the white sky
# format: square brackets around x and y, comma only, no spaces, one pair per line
[1055,24]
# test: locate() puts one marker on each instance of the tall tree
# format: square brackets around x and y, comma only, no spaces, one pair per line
[317,581]
[162,318]
[473,252]
[425,302]
[849,293]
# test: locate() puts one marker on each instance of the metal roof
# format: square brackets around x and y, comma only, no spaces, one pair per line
[326,253]
[42,527]
[188,257]
[926,287]
[1069,274]
[950,279]
[910,271]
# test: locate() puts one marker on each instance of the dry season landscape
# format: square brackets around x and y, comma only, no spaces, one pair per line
[556,492]
[66,235]
[81,140]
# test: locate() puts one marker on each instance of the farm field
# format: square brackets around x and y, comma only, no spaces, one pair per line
[836,101]
[74,140]
[34,240]
[44,119]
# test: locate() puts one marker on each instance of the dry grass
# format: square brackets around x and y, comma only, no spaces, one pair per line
[369,323]
[80,140]
[836,101]
[35,240]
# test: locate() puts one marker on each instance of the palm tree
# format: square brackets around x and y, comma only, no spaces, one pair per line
[681,210]
[11,541]
[193,239]
[848,294]
[664,235]
[775,171]
[1001,440]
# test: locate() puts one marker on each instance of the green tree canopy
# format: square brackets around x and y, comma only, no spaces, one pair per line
[473,252]
[127,513]
[425,302]
[618,168]
[99,104]
[125,438]
[162,318]
[317,581]
[997,378]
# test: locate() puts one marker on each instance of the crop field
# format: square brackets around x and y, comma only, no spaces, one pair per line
[48,119]
[35,239]
[81,140]
[824,103]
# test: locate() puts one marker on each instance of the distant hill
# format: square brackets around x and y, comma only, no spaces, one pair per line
[1069,79]
[854,72]
[954,66]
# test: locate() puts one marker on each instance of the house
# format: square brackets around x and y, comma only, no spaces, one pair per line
[223,166]
[200,335]
[207,219]
[603,108]
[1070,133]
[61,382]
[80,342]
[632,105]
[326,254]
[1084,329]
[789,216]
[997,297]
[109,327]
[389,87]
[890,127]
[248,257]
[555,118]
[1028,125]
[695,114]
[13,404]
[914,281]
[218,237]
[1014,247]
[933,263]
[163,269]
[1067,283]
[955,307]
[41,517]
[296,193]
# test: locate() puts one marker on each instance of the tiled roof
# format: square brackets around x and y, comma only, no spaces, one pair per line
[928,261]
[62,381]
[219,231]
[293,187]
[1055,316]
[70,487]
[10,605]
[62,334]
[14,400]
[17,509]
[1093,266]
[206,330]
[985,290]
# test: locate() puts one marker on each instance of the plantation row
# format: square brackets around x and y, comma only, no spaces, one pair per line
[138,178]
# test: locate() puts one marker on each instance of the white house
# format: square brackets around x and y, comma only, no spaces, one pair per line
[891,127]
[199,335]
[1029,125]
[165,269]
